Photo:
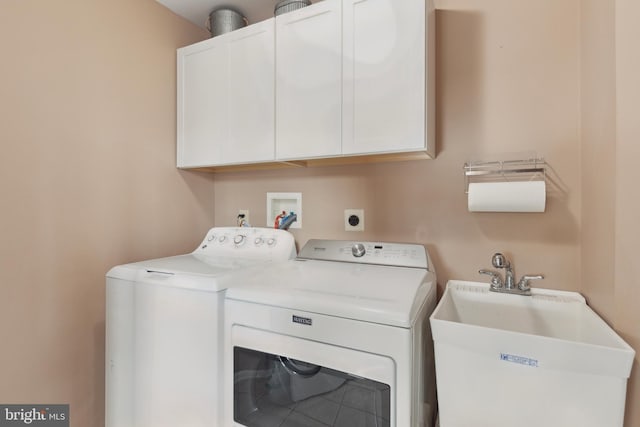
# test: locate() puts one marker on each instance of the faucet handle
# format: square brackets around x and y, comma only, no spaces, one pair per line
[523,284]
[499,261]
[496,279]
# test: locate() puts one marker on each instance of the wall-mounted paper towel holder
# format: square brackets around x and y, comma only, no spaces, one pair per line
[506,186]
[533,169]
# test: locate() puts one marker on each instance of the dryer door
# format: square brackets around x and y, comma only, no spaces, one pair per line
[282,380]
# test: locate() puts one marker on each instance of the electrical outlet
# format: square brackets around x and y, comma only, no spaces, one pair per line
[246,218]
[354,219]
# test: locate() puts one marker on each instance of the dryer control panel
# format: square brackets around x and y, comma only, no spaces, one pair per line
[248,242]
[379,253]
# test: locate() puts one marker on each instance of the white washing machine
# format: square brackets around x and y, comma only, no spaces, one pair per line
[164,329]
[338,337]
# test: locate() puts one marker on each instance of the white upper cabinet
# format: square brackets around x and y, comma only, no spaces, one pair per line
[250,95]
[225,98]
[383,76]
[202,94]
[351,79]
[308,81]
[339,78]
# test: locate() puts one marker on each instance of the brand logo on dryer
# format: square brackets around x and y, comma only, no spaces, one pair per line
[302,320]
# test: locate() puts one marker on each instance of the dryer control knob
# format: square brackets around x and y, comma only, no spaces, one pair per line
[358,250]
[258,241]
[271,242]
[222,239]
[239,239]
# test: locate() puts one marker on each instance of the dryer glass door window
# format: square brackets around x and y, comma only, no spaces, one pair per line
[273,390]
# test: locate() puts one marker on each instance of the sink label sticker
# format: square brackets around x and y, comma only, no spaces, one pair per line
[519,359]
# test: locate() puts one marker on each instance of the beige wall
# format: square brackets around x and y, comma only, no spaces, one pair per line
[610,206]
[87,177]
[598,153]
[557,77]
[627,206]
[507,82]
[87,181]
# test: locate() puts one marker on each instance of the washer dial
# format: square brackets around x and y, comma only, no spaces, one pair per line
[358,250]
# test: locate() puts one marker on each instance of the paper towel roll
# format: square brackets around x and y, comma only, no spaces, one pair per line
[517,196]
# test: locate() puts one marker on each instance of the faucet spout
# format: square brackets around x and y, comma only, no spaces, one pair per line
[509,276]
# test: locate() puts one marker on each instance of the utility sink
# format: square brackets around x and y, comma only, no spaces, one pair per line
[540,360]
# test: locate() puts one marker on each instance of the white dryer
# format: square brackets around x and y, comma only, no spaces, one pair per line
[338,337]
[164,327]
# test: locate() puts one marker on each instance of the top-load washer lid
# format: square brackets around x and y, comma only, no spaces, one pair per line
[223,251]
[388,288]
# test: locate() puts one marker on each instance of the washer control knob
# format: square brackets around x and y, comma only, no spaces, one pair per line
[271,242]
[258,241]
[239,239]
[211,238]
[222,239]
[358,250]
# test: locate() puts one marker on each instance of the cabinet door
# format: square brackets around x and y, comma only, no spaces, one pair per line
[308,81]
[250,95]
[384,76]
[202,93]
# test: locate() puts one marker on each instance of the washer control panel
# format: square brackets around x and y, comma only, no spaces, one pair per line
[394,254]
[251,242]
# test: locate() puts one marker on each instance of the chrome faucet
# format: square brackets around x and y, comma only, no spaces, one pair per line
[508,285]
[500,261]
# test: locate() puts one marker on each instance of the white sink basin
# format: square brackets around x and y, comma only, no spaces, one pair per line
[540,360]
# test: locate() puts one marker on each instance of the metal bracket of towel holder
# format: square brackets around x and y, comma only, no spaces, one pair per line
[504,170]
